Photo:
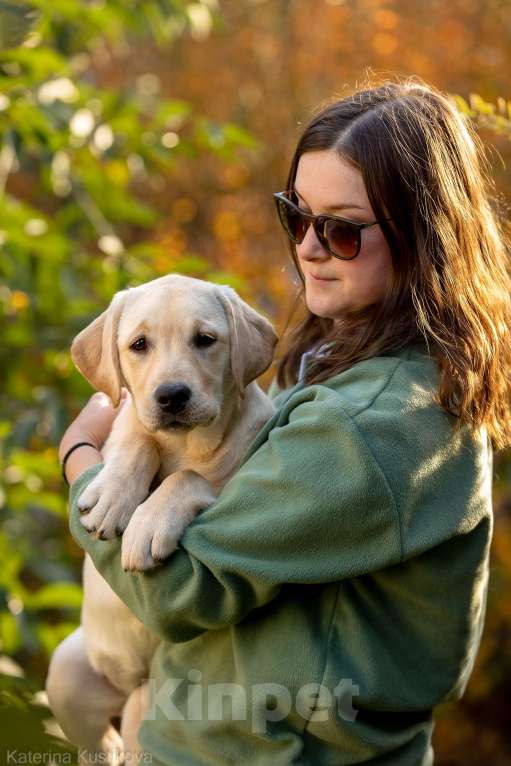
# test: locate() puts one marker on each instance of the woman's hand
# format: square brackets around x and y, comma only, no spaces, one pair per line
[93,424]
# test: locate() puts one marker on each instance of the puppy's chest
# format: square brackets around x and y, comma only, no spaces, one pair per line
[172,463]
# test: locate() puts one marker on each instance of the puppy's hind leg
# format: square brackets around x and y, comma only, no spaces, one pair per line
[132,716]
[83,702]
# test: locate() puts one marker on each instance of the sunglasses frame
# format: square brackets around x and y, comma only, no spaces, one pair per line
[319,221]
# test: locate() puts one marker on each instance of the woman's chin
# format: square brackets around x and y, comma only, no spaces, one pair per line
[324,309]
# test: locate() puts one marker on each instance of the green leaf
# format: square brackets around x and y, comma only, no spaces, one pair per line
[16,21]
[10,638]
[480,105]
[60,595]
[50,636]
[237,135]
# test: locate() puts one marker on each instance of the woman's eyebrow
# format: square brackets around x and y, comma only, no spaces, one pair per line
[332,207]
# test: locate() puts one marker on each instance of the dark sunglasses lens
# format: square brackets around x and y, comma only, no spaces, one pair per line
[342,238]
[292,221]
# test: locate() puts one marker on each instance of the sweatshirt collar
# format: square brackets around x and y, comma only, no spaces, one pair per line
[419,346]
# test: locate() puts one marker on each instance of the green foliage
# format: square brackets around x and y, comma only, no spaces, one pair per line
[495,117]
[79,162]
[15,22]
[24,719]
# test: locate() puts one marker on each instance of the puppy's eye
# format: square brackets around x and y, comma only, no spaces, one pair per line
[204,341]
[139,345]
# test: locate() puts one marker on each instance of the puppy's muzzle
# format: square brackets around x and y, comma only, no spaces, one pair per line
[172,397]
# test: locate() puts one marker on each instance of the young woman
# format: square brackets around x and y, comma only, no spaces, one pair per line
[336,588]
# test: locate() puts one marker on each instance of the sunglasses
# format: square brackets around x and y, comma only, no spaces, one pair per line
[338,236]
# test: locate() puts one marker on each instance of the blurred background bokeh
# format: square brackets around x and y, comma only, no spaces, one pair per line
[142,137]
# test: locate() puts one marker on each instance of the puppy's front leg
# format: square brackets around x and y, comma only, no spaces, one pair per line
[108,502]
[156,526]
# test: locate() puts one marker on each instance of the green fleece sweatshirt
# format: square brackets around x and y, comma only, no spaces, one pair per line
[335,591]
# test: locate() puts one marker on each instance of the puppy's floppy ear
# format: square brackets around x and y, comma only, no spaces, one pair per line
[94,351]
[252,338]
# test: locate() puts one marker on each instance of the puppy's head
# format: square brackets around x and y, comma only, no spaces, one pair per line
[180,345]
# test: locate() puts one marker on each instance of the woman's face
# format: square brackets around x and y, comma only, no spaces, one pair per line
[327,184]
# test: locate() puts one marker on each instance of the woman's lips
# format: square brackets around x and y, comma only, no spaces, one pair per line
[321,279]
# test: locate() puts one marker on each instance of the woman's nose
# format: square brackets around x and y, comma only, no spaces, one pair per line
[311,248]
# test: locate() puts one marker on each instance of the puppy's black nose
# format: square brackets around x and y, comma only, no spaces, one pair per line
[172,397]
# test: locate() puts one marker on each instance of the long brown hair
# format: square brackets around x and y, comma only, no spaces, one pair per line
[423,166]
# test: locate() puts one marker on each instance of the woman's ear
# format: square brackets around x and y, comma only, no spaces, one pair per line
[95,352]
[252,338]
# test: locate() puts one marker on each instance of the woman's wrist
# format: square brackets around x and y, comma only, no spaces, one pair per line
[79,460]
[82,457]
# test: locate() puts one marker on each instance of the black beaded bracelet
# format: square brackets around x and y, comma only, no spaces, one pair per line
[70,450]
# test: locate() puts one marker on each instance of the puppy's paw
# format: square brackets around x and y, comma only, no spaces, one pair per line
[150,537]
[107,505]
[90,495]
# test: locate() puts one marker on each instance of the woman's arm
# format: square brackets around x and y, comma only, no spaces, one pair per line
[310,505]
[93,424]
[80,459]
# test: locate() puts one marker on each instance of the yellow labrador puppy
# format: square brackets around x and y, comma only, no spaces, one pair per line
[188,351]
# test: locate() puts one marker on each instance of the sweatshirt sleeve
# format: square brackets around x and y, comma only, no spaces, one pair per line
[309,505]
